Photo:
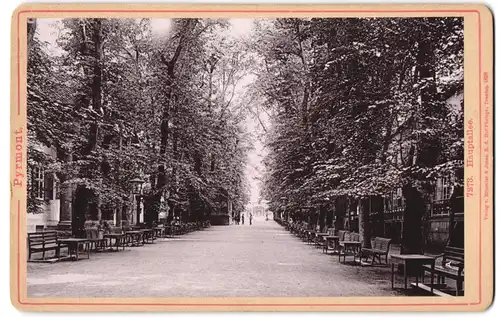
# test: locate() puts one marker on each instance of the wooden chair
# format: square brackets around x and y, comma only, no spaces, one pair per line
[318,236]
[346,249]
[379,248]
[326,240]
[95,241]
[452,267]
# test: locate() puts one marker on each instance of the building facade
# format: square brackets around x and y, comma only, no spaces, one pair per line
[45,187]
[444,210]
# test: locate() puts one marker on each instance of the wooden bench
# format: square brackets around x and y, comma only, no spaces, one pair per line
[41,242]
[380,248]
[452,266]
[350,245]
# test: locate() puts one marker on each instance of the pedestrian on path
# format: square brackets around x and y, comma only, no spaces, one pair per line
[242,219]
[251,217]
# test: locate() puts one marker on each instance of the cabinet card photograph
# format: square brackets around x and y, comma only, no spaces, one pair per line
[251,158]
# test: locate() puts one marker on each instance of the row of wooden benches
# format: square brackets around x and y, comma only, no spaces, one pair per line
[347,243]
[45,241]
[344,243]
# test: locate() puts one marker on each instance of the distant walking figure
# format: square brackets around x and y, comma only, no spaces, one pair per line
[251,217]
[242,219]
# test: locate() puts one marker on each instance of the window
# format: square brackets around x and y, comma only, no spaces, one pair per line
[442,195]
[447,190]
[389,204]
[38,182]
[57,188]
[399,202]
[444,188]
[397,199]
[399,192]
[441,208]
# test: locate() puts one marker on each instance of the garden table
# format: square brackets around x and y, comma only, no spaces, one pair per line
[411,260]
[350,248]
[169,231]
[119,240]
[309,234]
[74,244]
[147,234]
[159,232]
[134,238]
[320,237]
[335,240]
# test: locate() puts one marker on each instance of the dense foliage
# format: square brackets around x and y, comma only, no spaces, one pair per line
[120,102]
[359,108]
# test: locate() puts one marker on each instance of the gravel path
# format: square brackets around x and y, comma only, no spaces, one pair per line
[262,260]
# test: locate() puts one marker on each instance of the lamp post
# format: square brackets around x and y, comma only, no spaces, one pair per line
[137,184]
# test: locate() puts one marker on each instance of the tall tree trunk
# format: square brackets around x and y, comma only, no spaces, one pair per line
[425,155]
[66,194]
[412,220]
[322,215]
[340,212]
[330,212]
[455,239]
[164,130]
[187,29]
[377,207]
[161,182]
[364,222]
[97,96]
[352,215]
[97,78]
[83,195]
[175,156]
[117,180]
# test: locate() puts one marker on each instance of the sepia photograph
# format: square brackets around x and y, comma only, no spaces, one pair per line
[251,158]
[287,157]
